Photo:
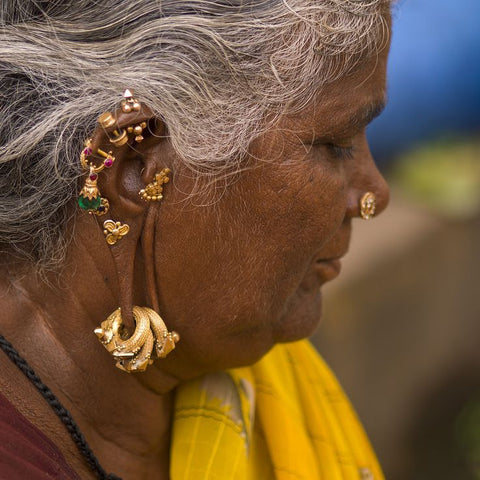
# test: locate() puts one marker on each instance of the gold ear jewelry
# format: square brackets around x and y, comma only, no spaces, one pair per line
[368,205]
[130,104]
[137,130]
[151,339]
[89,198]
[107,120]
[87,151]
[153,191]
[114,231]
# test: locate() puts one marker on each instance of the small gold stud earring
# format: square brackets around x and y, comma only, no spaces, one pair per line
[153,191]
[107,120]
[130,104]
[114,231]
[137,130]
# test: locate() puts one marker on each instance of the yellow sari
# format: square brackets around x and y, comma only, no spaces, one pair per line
[284,418]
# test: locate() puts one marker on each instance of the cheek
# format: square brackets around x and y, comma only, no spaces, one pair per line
[225,272]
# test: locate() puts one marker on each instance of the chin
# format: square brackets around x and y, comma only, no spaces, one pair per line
[301,317]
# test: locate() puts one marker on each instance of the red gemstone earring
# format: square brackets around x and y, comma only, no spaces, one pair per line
[89,198]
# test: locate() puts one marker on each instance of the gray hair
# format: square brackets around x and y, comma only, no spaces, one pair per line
[211,69]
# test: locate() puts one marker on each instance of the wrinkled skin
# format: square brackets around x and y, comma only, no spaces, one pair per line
[233,278]
[250,265]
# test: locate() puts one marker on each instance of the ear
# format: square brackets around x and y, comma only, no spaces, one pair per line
[125,147]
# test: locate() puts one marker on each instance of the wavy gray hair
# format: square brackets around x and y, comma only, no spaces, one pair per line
[211,69]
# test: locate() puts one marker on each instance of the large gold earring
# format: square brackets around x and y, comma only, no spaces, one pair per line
[153,191]
[151,339]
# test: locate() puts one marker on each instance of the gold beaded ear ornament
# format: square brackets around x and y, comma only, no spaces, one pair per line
[89,198]
[153,191]
[137,130]
[130,104]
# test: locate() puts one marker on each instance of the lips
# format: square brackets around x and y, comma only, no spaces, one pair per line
[328,269]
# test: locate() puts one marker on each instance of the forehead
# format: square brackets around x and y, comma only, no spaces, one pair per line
[348,104]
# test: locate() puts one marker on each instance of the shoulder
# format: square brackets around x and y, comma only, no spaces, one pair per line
[25,452]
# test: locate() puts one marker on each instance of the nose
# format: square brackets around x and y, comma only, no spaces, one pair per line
[365,177]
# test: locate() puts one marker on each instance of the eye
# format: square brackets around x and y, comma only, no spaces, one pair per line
[339,151]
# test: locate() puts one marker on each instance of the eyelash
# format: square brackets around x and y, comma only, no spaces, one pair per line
[342,153]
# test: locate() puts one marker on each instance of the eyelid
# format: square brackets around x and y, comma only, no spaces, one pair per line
[341,151]
[337,149]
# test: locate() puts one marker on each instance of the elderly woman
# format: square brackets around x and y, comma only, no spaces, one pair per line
[181,233]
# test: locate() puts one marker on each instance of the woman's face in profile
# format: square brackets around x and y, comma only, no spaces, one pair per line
[240,275]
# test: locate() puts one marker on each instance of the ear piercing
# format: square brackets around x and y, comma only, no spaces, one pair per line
[368,205]
[130,104]
[87,151]
[153,191]
[120,137]
[89,198]
[150,340]
[114,231]
[137,130]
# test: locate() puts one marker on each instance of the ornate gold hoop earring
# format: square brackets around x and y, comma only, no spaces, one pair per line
[114,231]
[87,151]
[130,104]
[153,191]
[151,339]
[368,205]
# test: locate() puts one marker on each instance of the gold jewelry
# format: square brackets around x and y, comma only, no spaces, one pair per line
[153,191]
[120,138]
[107,120]
[137,130]
[87,151]
[130,104]
[368,205]
[114,231]
[89,198]
[151,338]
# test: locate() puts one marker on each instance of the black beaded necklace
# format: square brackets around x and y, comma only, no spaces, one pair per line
[62,413]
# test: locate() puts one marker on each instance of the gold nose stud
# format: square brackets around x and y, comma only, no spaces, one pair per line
[368,205]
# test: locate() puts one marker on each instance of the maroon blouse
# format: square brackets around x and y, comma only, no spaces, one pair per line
[25,452]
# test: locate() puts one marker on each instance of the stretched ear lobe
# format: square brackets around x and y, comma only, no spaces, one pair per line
[119,162]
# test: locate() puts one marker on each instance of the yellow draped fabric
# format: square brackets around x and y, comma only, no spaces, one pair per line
[284,418]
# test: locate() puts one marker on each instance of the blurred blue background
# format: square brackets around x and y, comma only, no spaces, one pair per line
[434,76]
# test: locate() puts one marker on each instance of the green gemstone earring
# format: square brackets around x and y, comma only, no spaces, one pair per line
[89,198]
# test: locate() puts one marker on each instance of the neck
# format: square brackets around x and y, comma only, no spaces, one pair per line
[125,418]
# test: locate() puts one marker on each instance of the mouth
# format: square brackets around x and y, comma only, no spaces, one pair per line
[328,269]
